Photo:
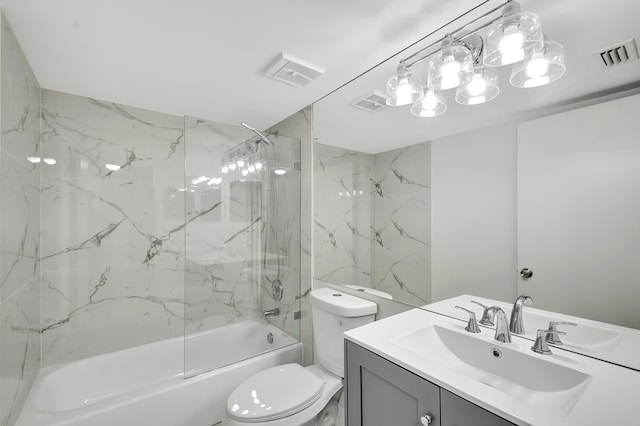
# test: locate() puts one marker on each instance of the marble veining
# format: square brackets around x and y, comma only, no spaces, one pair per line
[299,126]
[342,215]
[234,256]
[402,223]
[19,228]
[112,227]
[372,220]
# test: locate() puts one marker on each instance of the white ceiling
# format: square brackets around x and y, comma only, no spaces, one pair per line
[203,58]
[582,26]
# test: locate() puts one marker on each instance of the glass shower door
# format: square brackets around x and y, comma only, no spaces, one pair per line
[242,244]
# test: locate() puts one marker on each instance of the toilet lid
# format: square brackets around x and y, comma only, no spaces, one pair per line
[275,393]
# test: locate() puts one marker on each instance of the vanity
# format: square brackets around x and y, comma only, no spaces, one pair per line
[435,372]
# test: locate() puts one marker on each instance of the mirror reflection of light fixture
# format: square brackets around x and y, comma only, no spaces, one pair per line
[544,67]
[482,87]
[515,36]
[403,88]
[465,59]
[432,105]
[279,171]
[112,167]
[34,159]
[450,67]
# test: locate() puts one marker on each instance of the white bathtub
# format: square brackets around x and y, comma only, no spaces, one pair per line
[146,385]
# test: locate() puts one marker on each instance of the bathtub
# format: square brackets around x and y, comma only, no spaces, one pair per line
[149,384]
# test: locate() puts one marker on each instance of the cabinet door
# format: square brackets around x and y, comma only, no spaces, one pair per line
[456,411]
[380,393]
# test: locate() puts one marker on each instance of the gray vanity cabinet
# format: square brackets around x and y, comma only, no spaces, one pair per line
[381,393]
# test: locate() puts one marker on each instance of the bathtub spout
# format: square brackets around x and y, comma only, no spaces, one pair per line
[271,313]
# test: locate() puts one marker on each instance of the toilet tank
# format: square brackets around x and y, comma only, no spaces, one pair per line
[333,313]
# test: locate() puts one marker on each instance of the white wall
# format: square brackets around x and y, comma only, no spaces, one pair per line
[579,211]
[473,179]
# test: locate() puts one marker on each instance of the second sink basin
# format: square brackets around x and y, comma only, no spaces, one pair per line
[512,371]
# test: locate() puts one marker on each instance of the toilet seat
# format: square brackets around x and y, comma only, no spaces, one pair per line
[275,393]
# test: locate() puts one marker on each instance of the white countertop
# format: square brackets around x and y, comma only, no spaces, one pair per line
[610,397]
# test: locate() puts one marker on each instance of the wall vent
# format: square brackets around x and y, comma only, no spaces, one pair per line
[292,71]
[617,55]
[371,102]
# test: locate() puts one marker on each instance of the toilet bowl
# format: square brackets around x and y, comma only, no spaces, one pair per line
[292,395]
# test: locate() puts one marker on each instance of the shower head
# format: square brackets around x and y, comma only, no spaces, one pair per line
[257,132]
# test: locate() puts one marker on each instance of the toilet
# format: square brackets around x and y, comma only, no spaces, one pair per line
[292,395]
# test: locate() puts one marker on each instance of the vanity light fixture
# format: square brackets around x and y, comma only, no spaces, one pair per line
[34,160]
[515,36]
[450,67]
[112,167]
[279,172]
[403,88]
[544,67]
[432,105]
[466,58]
[482,87]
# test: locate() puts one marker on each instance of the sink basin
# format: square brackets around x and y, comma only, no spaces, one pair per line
[479,358]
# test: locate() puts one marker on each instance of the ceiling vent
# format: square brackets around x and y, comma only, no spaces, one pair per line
[371,102]
[617,55]
[292,71]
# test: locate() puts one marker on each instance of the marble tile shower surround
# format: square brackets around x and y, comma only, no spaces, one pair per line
[252,238]
[222,248]
[112,241]
[281,236]
[342,215]
[402,223]
[379,238]
[299,126]
[19,227]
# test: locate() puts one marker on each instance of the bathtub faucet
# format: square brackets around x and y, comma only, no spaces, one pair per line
[271,313]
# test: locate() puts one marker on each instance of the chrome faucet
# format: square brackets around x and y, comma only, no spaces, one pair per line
[516,326]
[502,325]
[488,314]
[271,313]
[540,346]
[472,325]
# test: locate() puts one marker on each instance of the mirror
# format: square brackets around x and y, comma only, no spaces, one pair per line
[426,209]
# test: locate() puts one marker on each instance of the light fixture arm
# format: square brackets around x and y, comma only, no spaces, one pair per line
[409,61]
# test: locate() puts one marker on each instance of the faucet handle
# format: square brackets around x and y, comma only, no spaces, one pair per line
[487,314]
[472,325]
[540,346]
[553,333]
[553,324]
[528,300]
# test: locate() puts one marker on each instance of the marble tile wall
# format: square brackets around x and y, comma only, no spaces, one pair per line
[299,126]
[243,232]
[222,283]
[19,227]
[112,240]
[372,220]
[281,234]
[402,223]
[342,215]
